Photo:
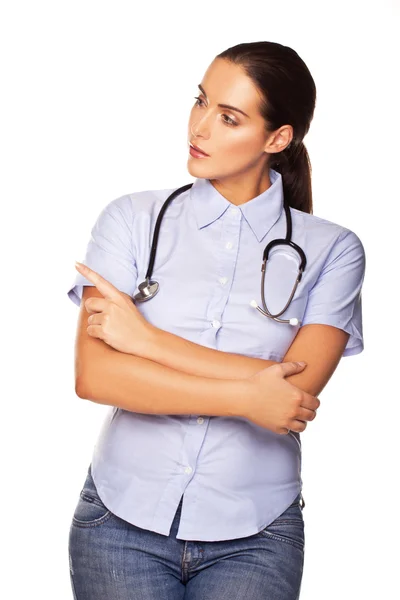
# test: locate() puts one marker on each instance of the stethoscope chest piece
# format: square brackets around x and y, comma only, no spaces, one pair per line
[147,289]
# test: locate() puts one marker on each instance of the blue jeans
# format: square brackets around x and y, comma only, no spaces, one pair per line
[111,559]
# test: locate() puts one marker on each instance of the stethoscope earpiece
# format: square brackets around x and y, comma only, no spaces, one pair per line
[293,321]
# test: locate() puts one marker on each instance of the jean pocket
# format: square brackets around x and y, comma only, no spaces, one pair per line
[288,527]
[90,510]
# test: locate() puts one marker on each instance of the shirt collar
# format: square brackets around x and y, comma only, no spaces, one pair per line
[261,212]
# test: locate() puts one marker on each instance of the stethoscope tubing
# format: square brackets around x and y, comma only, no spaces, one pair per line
[149,288]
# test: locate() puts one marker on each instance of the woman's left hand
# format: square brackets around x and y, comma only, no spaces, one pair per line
[115,318]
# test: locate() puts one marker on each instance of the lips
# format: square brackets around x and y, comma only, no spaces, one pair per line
[199,149]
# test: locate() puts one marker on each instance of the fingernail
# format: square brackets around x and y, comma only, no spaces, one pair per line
[302,364]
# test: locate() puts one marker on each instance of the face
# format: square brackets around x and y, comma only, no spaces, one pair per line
[238,144]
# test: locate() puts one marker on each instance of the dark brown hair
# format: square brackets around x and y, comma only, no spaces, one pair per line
[289,95]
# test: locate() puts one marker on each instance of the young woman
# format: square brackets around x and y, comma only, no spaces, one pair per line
[194,489]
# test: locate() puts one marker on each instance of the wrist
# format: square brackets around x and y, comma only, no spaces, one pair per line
[240,393]
[150,342]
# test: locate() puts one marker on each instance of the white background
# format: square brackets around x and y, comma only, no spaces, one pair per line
[95,101]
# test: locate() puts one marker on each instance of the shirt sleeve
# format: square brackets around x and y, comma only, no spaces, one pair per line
[336,298]
[109,250]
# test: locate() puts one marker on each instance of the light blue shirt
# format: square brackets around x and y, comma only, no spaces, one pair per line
[235,476]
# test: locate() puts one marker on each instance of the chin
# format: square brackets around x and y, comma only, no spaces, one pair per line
[196,169]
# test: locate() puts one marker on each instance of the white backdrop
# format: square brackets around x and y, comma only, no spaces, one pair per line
[89,91]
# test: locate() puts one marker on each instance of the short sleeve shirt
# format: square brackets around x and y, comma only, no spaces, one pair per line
[235,477]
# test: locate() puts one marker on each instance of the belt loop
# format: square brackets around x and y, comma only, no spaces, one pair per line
[302,503]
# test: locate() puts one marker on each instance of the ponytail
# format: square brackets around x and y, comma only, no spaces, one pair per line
[295,167]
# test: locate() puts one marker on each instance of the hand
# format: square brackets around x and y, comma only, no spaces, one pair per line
[115,318]
[277,404]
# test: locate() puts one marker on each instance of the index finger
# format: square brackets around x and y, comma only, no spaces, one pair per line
[106,288]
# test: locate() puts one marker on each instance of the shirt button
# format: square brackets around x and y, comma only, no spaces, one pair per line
[200,420]
[229,245]
[235,211]
[223,280]
[216,323]
[188,469]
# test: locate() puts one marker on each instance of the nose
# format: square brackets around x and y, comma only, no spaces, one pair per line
[200,128]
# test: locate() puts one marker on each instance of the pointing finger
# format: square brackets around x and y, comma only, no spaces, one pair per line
[106,288]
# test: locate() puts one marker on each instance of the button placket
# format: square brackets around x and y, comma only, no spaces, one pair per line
[226,265]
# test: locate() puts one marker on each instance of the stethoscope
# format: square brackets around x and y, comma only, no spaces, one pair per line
[149,288]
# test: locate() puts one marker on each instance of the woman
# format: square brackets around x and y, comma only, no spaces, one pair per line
[194,488]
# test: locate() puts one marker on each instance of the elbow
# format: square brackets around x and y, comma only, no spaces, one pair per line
[80,387]
[91,375]
[83,390]
[87,384]
[81,380]
[84,375]
[79,376]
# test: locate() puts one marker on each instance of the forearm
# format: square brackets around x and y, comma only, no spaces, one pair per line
[140,385]
[178,353]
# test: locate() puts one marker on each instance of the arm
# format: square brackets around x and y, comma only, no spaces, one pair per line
[320,346]
[107,376]
[332,315]
[178,353]
[140,385]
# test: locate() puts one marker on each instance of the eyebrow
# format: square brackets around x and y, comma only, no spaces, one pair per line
[224,105]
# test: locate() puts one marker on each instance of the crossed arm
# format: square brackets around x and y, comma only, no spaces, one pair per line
[320,346]
[184,373]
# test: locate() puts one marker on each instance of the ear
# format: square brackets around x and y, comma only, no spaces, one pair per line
[279,140]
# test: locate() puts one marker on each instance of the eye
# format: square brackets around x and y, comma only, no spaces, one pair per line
[228,121]
[198,100]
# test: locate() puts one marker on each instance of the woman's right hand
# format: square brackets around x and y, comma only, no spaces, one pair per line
[278,405]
